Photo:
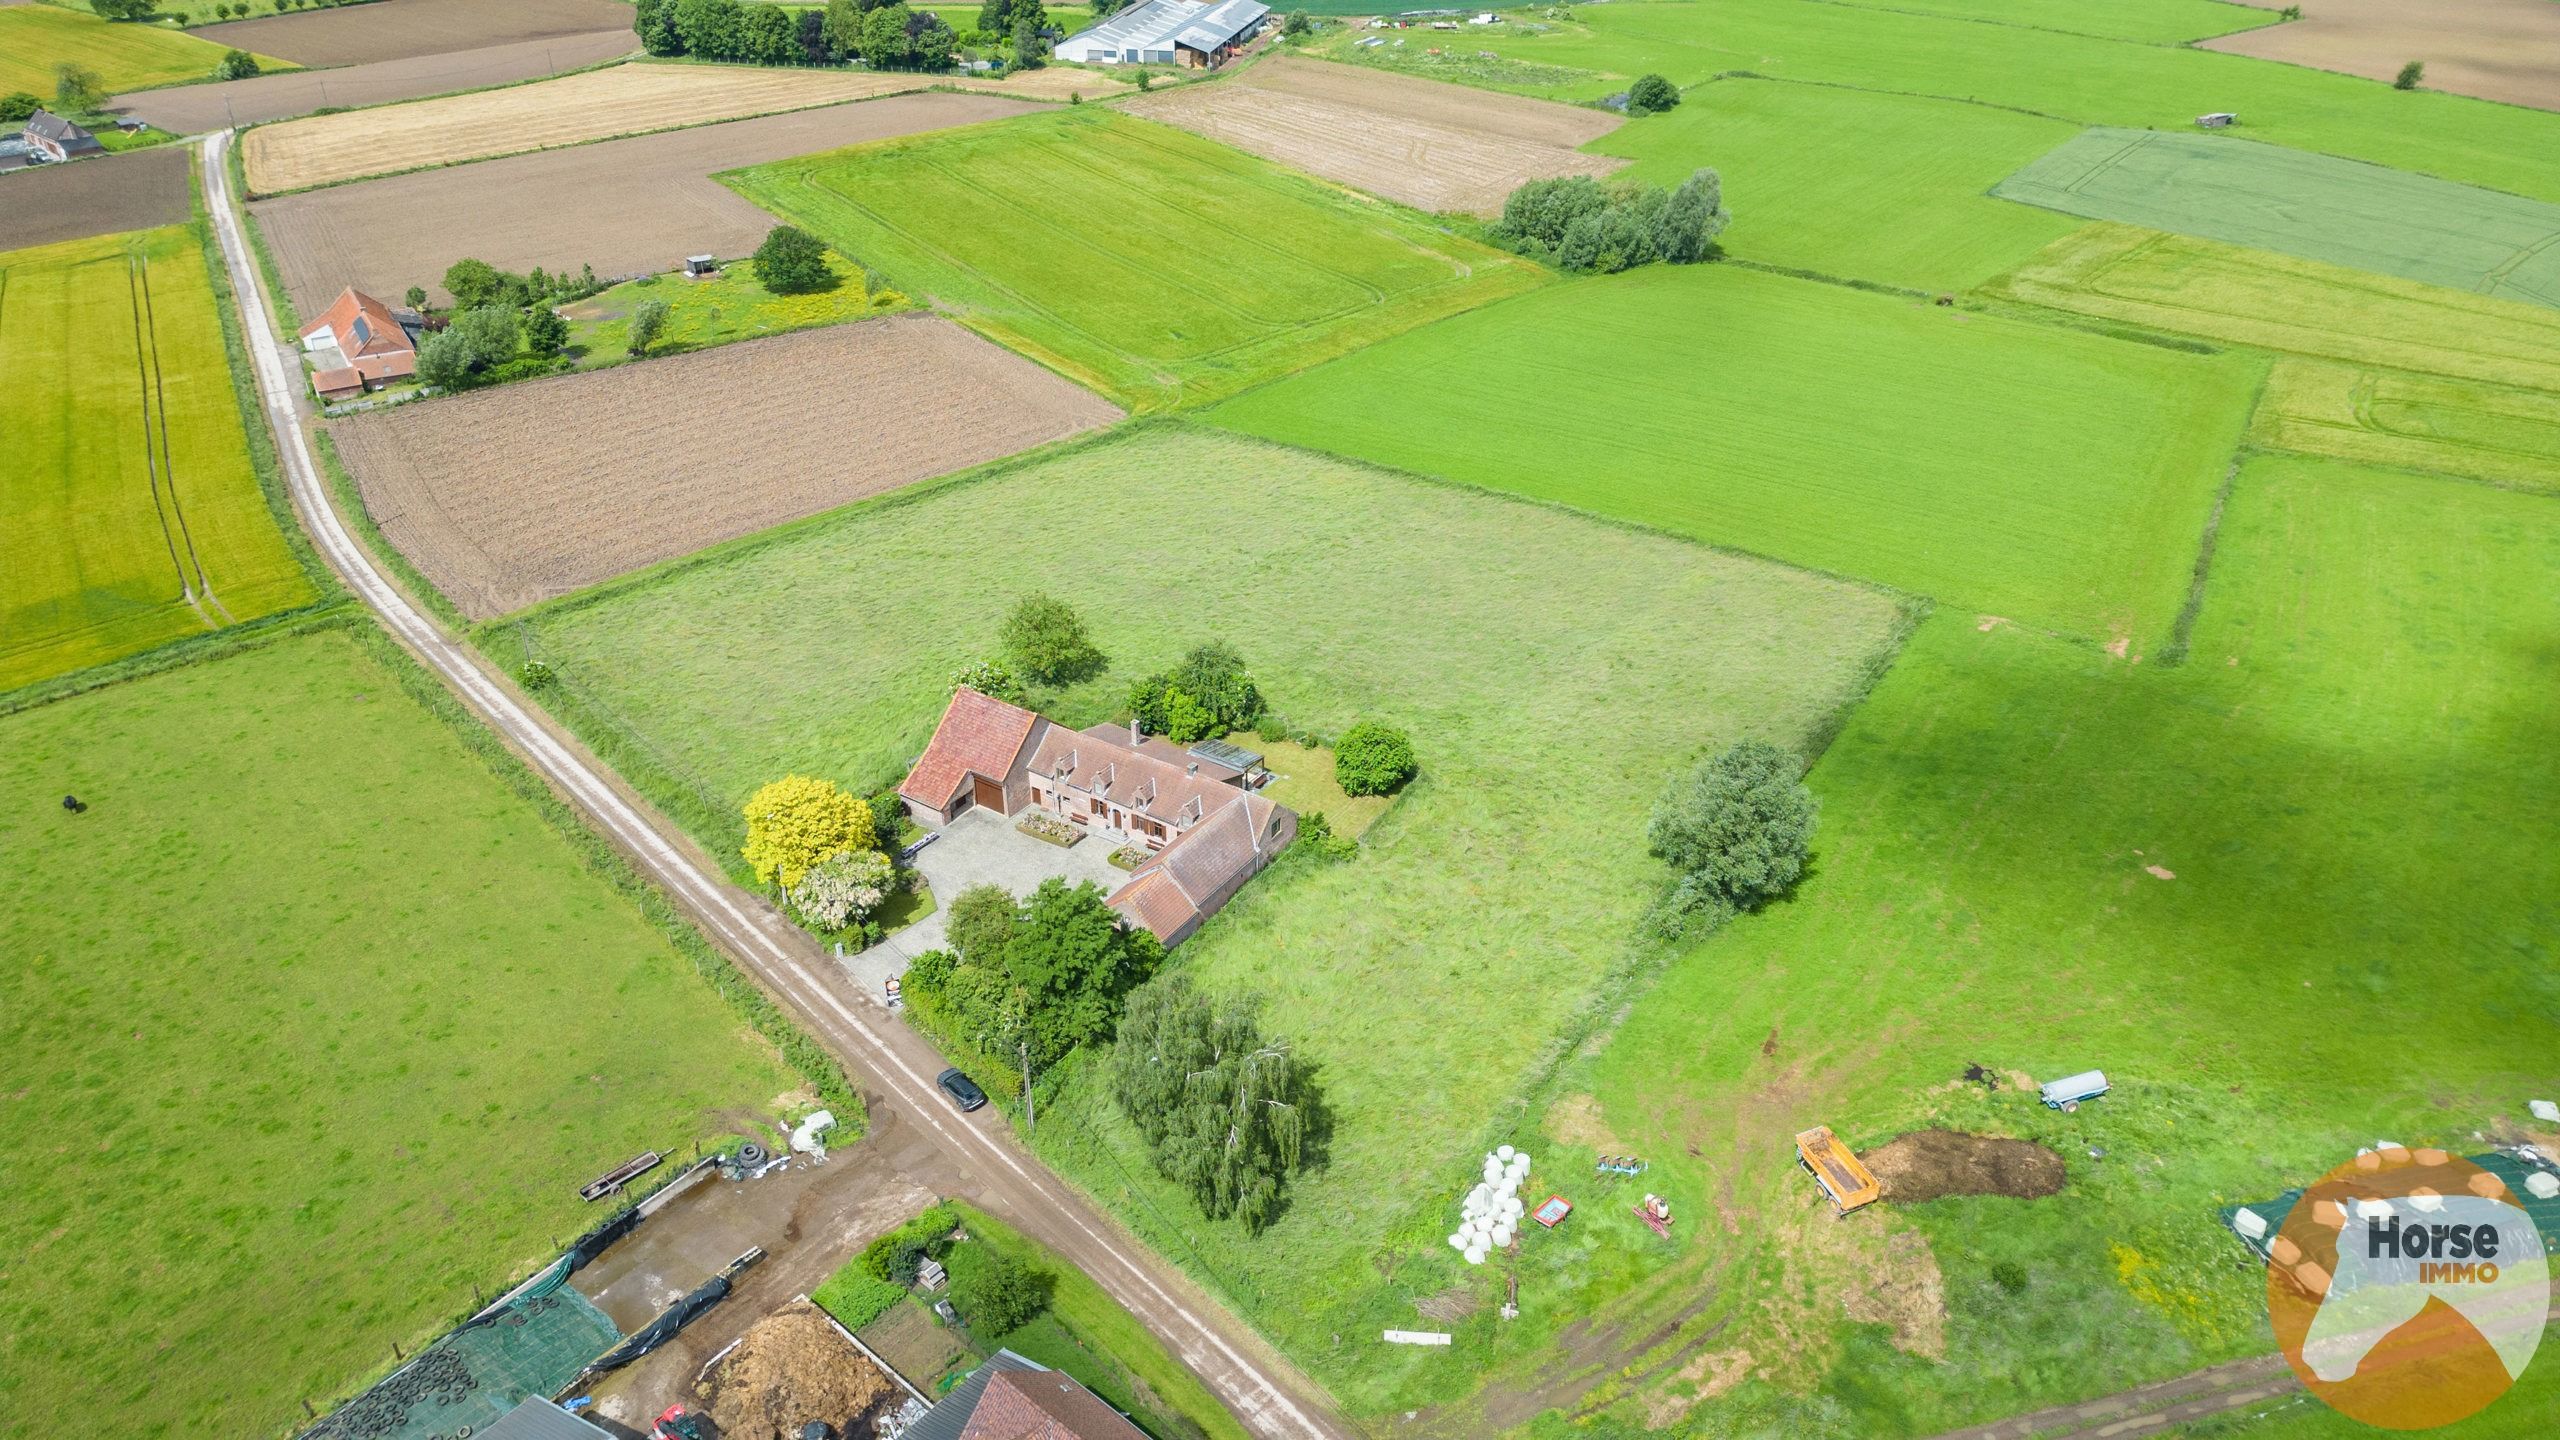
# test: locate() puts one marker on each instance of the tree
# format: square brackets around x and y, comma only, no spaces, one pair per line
[77,89]
[791,261]
[1028,48]
[648,318]
[709,28]
[982,921]
[236,65]
[1298,24]
[1685,229]
[1537,214]
[1651,94]
[1045,641]
[1736,830]
[493,333]
[655,20]
[811,37]
[17,107]
[999,1295]
[1372,759]
[2409,76]
[843,25]
[931,42]
[545,331]
[1211,677]
[765,35]
[884,37]
[1074,961]
[444,359]
[417,297]
[845,887]
[989,679]
[799,820]
[123,9]
[1226,1112]
[473,283]
[1184,719]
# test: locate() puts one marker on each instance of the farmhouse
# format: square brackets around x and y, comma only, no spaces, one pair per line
[49,137]
[1013,1398]
[1169,32]
[1206,828]
[360,344]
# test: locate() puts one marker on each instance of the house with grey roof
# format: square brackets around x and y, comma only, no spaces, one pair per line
[1168,32]
[49,137]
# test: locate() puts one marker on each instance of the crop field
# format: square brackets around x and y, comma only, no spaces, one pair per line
[522,492]
[1136,259]
[2052,477]
[134,515]
[1427,976]
[2493,433]
[2087,79]
[35,38]
[2156,22]
[1432,146]
[193,109]
[2222,881]
[2487,48]
[1852,183]
[97,197]
[2313,206]
[364,34]
[2252,297]
[627,207]
[295,1105]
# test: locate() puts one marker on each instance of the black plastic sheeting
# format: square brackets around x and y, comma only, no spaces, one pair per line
[663,1329]
[590,1245]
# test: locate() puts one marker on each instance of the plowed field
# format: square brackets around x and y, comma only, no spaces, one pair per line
[1432,146]
[140,191]
[2495,49]
[513,495]
[362,34]
[193,109]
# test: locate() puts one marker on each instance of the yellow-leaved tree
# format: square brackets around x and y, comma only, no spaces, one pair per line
[799,820]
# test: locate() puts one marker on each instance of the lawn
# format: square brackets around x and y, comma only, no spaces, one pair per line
[35,38]
[135,515]
[1854,184]
[2256,297]
[2054,477]
[1552,671]
[2478,431]
[2348,794]
[1138,260]
[1303,781]
[313,1028]
[730,306]
[2317,207]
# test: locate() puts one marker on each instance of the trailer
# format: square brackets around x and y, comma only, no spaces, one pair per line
[1845,1180]
[2067,1092]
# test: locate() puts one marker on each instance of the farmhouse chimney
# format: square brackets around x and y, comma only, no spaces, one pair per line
[1136,735]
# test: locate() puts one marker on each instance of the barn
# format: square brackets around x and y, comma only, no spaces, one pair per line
[1169,32]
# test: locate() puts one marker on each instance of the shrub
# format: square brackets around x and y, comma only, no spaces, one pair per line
[856,1298]
[2409,76]
[536,675]
[1186,719]
[997,1294]
[1651,95]
[990,679]
[545,331]
[648,320]
[1315,834]
[894,1257]
[18,106]
[791,261]
[846,886]
[1373,759]
[236,65]
[1046,641]
[2009,1275]
[1736,831]
[797,821]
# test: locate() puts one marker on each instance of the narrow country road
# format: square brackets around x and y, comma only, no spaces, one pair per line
[992,1169]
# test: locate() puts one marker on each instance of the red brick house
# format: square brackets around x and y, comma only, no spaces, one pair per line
[1209,830]
[359,344]
[1012,1398]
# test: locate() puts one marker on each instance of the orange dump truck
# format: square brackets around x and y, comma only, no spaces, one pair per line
[1848,1183]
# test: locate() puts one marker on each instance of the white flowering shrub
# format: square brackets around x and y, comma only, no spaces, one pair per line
[843,888]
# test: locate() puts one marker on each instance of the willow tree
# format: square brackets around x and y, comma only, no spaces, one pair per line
[1226,1111]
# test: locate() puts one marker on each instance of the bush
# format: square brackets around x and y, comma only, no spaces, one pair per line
[17,107]
[1185,719]
[2009,1275]
[1315,835]
[845,887]
[536,675]
[791,261]
[1046,641]
[648,321]
[1736,831]
[2409,76]
[856,1299]
[1585,225]
[1213,678]
[895,1257]
[545,331]
[797,821]
[989,679]
[235,65]
[997,1295]
[1373,759]
[1651,95]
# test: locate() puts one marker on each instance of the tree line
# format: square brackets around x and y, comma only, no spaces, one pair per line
[883,34]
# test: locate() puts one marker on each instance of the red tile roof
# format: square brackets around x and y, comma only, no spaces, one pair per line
[345,380]
[980,735]
[361,325]
[1044,1405]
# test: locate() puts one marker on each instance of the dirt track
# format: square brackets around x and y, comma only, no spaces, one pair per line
[195,109]
[98,196]
[400,29]
[623,206]
[2495,49]
[1430,145]
[510,496]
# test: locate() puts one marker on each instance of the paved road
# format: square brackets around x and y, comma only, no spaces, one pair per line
[994,1171]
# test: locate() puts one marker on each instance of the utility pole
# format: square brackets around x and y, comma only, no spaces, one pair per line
[1030,1107]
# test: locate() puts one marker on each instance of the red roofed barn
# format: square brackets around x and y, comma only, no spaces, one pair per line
[359,344]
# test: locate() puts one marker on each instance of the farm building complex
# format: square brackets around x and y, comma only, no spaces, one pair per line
[1168,32]
[360,344]
[1199,816]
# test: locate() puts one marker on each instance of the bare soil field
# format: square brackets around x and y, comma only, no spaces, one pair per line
[103,196]
[575,110]
[194,109]
[401,29]
[509,496]
[2494,49]
[624,206]
[1429,145]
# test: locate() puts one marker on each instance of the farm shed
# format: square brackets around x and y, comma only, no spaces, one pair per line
[539,1419]
[1168,32]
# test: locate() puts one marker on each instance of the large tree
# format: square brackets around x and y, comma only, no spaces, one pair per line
[1076,962]
[885,43]
[1209,693]
[799,820]
[1045,640]
[791,261]
[1226,1111]
[1736,830]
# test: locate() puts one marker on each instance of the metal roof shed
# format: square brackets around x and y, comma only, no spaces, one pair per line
[539,1419]
[1234,757]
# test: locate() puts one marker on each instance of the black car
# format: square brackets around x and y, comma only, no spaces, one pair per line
[964,1092]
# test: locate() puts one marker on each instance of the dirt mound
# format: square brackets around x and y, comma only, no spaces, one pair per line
[1933,1164]
[790,1368]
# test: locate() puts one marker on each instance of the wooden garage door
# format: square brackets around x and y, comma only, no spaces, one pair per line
[987,792]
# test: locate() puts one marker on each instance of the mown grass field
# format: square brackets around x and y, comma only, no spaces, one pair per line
[311,1026]
[1136,259]
[35,38]
[2318,207]
[731,306]
[2081,78]
[2057,478]
[127,480]
[1547,666]
[2349,787]
[2189,286]
[2495,433]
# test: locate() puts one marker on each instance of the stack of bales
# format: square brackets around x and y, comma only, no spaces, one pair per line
[1491,1213]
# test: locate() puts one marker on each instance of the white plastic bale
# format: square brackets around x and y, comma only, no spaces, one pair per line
[1475,1257]
[1502,1237]
[1458,1242]
[1504,1153]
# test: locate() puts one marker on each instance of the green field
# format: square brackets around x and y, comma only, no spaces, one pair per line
[1142,261]
[703,313]
[2159,22]
[1848,183]
[2315,206]
[2085,79]
[128,485]
[309,1018]
[2254,297]
[35,38]
[2495,433]
[2054,477]
[2350,788]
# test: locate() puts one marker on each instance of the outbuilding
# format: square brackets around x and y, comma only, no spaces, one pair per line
[1168,32]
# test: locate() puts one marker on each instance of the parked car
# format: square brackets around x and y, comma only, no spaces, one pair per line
[964,1092]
